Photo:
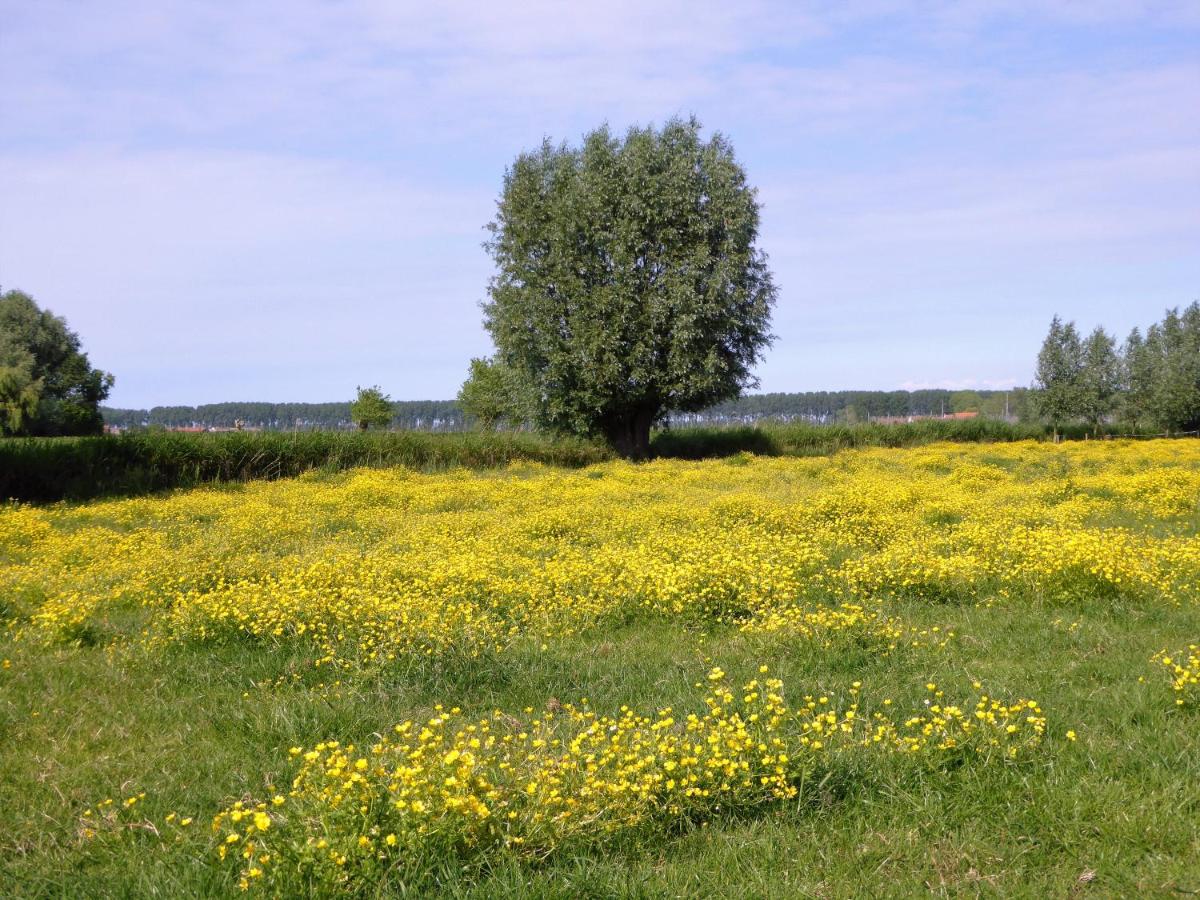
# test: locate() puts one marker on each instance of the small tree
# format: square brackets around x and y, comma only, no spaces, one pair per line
[1059,377]
[628,280]
[493,393]
[1101,377]
[371,407]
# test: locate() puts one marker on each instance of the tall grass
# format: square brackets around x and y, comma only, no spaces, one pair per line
[49,469]
[806,439]
[41,470]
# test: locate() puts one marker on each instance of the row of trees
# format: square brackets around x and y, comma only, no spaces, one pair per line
[860,406]
[1150,380]
[406,414]
[47,385]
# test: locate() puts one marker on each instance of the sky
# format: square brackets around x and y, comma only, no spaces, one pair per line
[281,200]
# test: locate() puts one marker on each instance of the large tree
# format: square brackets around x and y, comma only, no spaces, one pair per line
[628,282]
[1059,378]
[47,384]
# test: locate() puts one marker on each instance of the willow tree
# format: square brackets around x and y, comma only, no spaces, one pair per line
[629,282]
[492,393]
[371,407]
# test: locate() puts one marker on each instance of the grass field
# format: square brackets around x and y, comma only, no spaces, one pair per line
[957,669]
[41,470]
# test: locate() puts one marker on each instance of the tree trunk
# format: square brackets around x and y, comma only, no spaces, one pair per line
[629,433]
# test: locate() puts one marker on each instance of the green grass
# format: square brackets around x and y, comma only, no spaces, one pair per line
[1115,814]
[196,727]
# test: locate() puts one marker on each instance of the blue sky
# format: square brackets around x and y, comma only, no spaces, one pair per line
[281,200]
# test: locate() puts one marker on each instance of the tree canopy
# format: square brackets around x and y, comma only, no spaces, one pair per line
[628,282]
[47,384]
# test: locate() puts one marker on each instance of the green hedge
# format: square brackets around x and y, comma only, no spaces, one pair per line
[805,439]
[48,469]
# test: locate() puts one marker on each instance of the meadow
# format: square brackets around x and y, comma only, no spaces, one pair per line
[40,470]
[951,669]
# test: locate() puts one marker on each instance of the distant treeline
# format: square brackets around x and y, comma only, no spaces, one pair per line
[446,415]
[427,415]
[849,407]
